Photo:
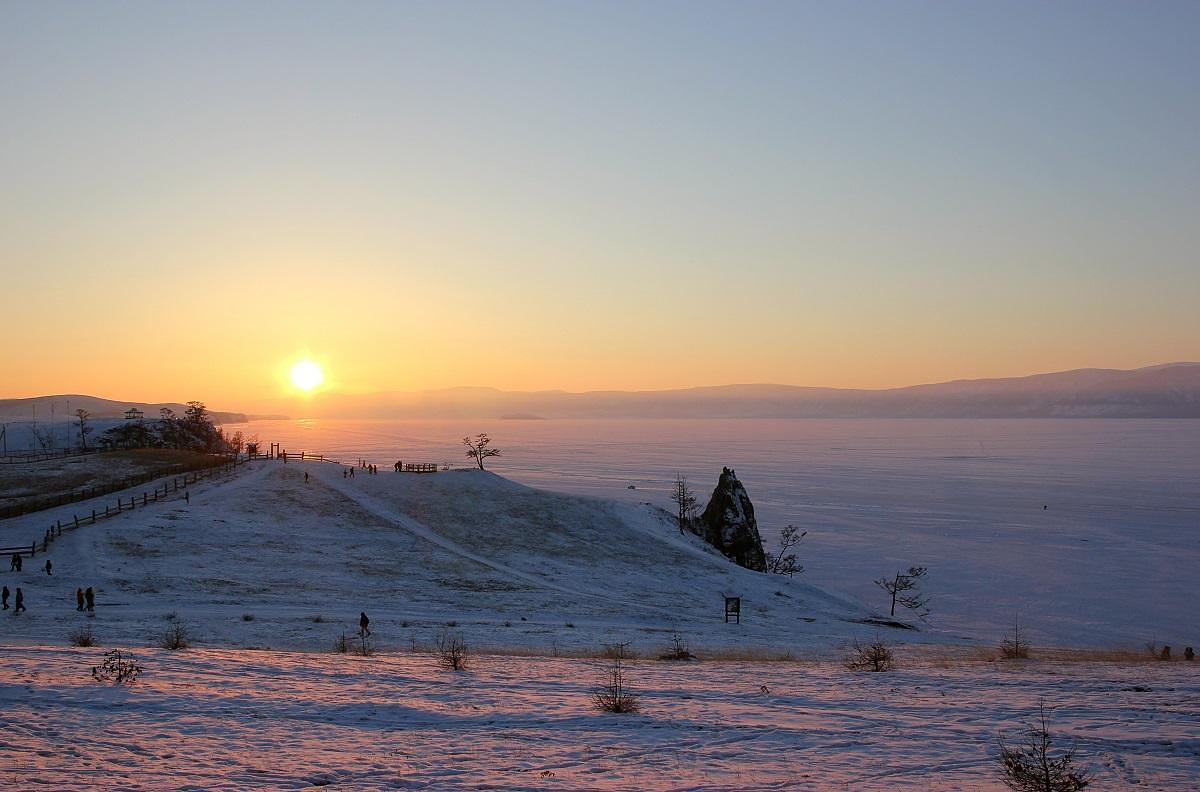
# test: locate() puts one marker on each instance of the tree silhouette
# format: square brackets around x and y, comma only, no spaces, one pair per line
[477,448]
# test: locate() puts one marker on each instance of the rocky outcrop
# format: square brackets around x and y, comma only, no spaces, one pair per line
[728,523]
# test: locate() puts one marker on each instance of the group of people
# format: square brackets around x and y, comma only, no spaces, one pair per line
[372,470]
[84,598]
[4,595]
[16,562]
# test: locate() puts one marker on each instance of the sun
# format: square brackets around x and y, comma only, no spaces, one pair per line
[307,375]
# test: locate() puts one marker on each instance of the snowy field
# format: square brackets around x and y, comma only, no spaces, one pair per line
[261,561]
[233,720]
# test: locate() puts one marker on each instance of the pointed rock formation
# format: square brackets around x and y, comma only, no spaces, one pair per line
[728,523]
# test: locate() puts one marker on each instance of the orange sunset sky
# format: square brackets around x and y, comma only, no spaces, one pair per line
[591,196]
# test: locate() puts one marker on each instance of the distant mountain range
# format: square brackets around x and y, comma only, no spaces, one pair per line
[1166,391]
[63,406]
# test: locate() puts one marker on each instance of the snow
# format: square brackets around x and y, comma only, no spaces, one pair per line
[260,562]
[1108,563]
[515,566]
[225,719]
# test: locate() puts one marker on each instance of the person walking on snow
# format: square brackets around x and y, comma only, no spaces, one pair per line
[78,599]
[20,602]
[48,567]
[90,596]
[4,597]
[306,477]
[13,562]
[363,621]
[187,497]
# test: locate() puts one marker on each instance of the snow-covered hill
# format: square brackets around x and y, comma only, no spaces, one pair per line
[506,564]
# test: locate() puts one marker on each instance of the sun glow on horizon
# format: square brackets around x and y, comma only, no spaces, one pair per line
[307,375]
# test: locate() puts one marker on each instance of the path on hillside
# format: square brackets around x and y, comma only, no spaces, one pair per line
[390,514]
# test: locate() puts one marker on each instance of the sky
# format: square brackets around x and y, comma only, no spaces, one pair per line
[592,195]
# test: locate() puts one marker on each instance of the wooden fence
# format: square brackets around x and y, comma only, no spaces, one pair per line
[87,493]
[43,456]
[226,466]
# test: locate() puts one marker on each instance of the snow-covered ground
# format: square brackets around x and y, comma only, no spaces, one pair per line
[509,565]
[236,719]
[263,559]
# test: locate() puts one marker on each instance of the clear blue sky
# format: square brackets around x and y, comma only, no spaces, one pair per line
[595,195]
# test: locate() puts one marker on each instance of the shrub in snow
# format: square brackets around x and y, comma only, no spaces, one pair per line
[618,651]
[1015,647]
[613,694]
[875,656]
[1029,767]
[247,617]
[678,650]
[174,637]
[341,645]
[452,651]
[82,636]
[118,668]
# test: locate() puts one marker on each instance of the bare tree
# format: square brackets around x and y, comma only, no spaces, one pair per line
[685,503]
[477,448]
[84,429]
[783,562]
[1015,647]
[904,589]
[1031,768]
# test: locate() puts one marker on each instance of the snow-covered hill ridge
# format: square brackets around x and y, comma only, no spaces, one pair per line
[505,564]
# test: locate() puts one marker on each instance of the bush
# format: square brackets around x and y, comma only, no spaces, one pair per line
[82,636]
[618,651]
[613,694]
[174,637]
[118,668]
[678,650]
[452,651]
[247,617]
[1031,768]
[1015,647]
[341,645]
[875,656]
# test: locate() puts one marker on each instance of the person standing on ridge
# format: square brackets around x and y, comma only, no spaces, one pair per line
[363,621]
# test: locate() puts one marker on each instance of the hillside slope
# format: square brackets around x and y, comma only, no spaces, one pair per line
[509,565]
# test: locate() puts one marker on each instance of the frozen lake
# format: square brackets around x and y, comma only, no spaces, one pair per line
[1090,529]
